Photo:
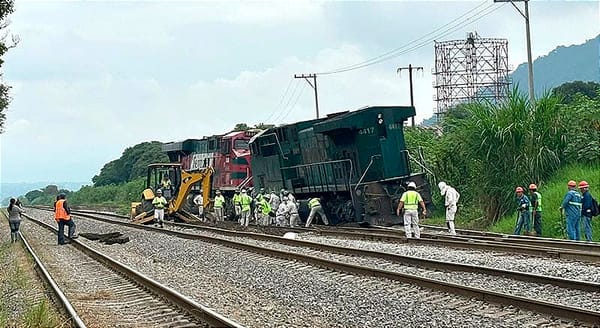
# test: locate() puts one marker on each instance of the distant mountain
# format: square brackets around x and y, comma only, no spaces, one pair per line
[563,64]
[8,190]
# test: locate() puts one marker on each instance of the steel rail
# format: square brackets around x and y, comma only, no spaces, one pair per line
[548,250]
[197,310]
[482,294]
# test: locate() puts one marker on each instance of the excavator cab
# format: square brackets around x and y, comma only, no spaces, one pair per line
[175,184]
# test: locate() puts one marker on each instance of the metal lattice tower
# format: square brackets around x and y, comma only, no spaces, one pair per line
[472,69]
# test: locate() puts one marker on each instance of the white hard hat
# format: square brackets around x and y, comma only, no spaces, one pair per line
[284,198]
[244,190]
[158,191]
[442,185]
[412,184]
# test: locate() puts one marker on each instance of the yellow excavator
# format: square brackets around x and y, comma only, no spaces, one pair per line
[175,184]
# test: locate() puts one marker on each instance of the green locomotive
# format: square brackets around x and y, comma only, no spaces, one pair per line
[355,161]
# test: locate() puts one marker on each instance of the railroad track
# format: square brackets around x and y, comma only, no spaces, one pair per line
[395,268]
[101,292]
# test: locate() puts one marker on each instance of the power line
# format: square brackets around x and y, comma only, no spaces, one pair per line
[403,49]
[280,112]
[280,101]
[294,105]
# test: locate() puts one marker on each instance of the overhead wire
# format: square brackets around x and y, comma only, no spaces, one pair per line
[410,45]
[283,109]
[275,110]
[293,105]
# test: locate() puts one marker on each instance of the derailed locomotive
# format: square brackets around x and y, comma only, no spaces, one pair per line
[356,161]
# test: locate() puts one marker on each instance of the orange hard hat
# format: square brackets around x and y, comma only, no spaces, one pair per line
[532,186]
[583,184]
[572,183]
[519,189]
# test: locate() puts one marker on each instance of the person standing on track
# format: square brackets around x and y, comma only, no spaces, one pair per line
[292,210]
[571,204]
[14,218]
[245,202]
[586,209]
[218,206]
[536,209]
[159,203]
[523,205]
[237,204]
[199,202]
[409,202]
[451,197]
[62,215]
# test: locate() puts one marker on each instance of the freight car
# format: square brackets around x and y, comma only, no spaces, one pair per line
[356,161]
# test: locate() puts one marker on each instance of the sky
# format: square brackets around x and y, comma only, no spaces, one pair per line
[91,78]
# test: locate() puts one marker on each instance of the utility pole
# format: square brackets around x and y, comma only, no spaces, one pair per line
[528,32]
[410,69]
[313,85]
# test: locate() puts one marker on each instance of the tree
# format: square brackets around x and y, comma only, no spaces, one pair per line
[264,126]
[6,8]
[132,164]
[241,127]
[568,91]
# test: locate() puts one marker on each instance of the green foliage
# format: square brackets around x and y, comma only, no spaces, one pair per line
[40,316]
[241,127]
[571,91]
[131,165]
[553,192]
[114,196]
[584,132]
[6,8]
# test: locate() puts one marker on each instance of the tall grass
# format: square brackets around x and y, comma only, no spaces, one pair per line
[553,192]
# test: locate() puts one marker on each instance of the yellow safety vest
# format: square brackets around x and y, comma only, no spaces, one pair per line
[411,200]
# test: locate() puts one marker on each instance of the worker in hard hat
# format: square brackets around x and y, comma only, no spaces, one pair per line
[535,210]
[586,209]
[218,206]
[237,204]
[523,205]
[409,203]
[451,197]
[571,207]
[245,202]
[159,203]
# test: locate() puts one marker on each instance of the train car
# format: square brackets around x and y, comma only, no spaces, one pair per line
[356,161]
[228,155]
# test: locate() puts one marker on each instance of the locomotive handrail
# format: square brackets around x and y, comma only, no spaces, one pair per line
[366,170]
[320,164]
[423,167]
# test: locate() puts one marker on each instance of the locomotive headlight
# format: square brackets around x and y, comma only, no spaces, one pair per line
[379,119]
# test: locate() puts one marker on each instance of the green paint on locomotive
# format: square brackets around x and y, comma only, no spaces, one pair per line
[336,156]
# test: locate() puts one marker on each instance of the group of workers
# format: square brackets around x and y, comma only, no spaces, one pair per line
[576,206]
[264,208]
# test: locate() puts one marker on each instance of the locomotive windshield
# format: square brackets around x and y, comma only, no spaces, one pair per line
[241,144]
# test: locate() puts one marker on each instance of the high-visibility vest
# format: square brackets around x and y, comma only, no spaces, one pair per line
[219,201]
[411,200]
[245,201]
[266,207]
[314,202]
[539,202]
[59,211]
[159,202]
[237,199]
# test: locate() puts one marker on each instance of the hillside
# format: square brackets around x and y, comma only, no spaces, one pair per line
[563,64]
[16,189]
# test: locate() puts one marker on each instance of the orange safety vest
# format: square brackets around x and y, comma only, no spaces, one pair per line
[60,212]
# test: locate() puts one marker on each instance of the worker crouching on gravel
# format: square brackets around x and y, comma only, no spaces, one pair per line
[451,197]
[522,211]
[409,203]
[62,215]
[536,209]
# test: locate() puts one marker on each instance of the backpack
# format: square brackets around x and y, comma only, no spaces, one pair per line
[595,207]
